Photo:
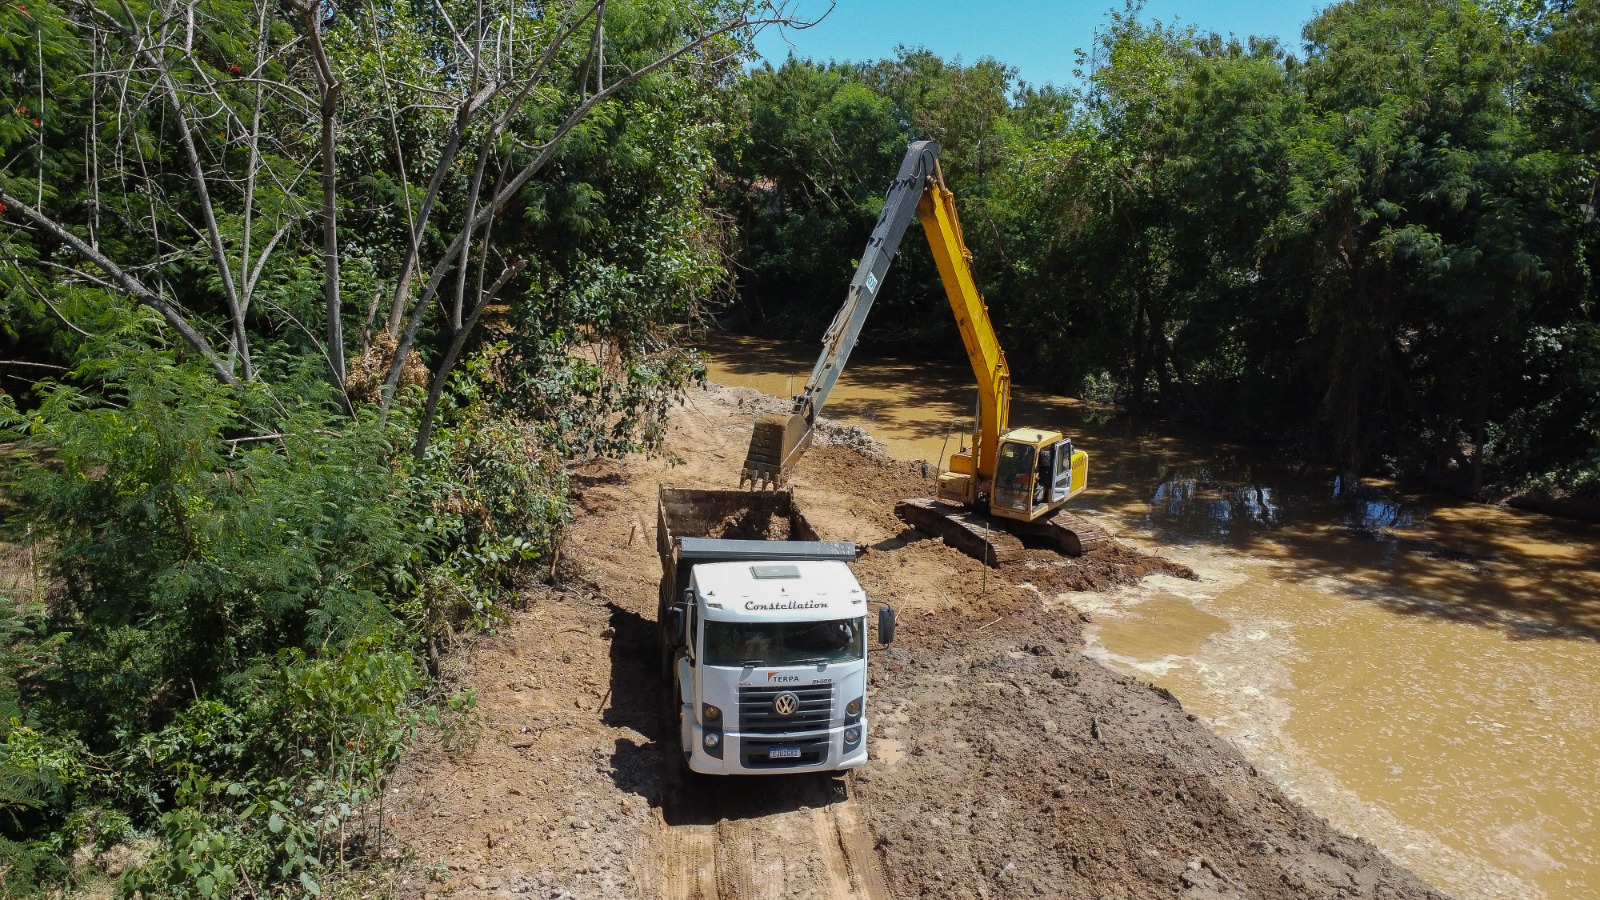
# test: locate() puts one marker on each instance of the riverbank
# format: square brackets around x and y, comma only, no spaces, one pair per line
[1005,762]
[1410,666]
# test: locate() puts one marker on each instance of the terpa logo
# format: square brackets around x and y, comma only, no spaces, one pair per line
[781,679]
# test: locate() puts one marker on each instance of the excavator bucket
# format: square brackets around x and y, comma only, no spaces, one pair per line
[776,444]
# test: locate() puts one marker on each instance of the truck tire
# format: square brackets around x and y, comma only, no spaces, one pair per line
[677,772]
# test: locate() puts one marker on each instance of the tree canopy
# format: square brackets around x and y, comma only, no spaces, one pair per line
[1380,247]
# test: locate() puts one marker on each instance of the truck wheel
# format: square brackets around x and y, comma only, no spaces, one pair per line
[677,771]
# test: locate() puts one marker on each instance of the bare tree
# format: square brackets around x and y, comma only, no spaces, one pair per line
[150,78]
[493,95]
[227,159]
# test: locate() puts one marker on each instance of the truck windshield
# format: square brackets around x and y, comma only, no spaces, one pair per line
[785,643]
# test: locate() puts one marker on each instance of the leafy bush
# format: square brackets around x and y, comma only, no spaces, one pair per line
[240,582]
[189,543]
[226,655]
[318,732]
[497,504]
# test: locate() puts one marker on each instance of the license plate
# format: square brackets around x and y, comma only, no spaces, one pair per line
[784,753]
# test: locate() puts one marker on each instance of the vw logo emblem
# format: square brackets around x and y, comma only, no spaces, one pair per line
[785,703]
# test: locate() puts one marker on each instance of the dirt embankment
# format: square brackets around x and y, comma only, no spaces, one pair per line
[1005,763]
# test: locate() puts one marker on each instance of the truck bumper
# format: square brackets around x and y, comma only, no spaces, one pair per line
[752,755]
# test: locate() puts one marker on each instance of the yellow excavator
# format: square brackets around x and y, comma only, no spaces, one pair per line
[1012,480]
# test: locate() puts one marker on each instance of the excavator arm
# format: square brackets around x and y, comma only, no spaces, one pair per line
[918,189]
[1015,479]
[779,440]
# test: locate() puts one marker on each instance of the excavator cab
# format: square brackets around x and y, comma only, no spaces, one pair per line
[1013,480]
[1036,472]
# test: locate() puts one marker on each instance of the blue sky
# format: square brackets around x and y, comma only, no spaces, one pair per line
[1038,37]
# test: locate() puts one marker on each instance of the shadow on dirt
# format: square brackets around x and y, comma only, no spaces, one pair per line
[906,537]
[595,475]
[635,700]
[635,691]
[708,799]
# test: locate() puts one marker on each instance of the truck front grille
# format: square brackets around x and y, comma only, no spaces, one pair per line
[758,717]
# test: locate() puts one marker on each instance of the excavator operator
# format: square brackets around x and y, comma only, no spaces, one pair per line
[1043,475]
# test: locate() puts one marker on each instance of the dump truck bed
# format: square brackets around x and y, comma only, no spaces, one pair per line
[695,526]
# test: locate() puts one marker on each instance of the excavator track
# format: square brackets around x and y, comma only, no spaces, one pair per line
[996,541]
[1075,535]
[973,533]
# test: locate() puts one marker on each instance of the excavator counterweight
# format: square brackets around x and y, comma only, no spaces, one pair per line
[1012,483]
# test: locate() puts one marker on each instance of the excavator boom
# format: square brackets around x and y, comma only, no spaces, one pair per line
[937,210]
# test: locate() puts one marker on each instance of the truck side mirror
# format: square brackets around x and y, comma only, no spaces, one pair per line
[675,625]
[886,625]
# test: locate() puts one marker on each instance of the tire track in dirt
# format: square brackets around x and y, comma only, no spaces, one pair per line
[859,850]
[688,857]
[783,838]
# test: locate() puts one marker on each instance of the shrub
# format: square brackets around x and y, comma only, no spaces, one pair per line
[226,655]
[498,504]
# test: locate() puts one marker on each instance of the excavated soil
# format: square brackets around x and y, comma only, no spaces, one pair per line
[751,525]
[1005,764]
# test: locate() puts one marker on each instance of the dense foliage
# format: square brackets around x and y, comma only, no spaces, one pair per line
[305,307]
[1381,247]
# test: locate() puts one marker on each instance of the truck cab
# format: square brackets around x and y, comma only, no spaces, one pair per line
[763,636]
[772,672]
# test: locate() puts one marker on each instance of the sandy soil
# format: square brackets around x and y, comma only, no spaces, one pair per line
[1005,763]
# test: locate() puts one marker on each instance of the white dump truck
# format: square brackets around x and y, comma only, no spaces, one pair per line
[763,636]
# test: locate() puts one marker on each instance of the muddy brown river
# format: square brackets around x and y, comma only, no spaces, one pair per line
[1419,671]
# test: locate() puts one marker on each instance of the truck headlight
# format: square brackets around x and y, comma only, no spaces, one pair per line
[852,735]
[711,713]
[853,708]
[713,739]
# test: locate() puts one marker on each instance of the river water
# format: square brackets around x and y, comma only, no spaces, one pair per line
[1420,671]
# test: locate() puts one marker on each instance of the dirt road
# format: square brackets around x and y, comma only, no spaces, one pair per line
[797,837]
[1005,764]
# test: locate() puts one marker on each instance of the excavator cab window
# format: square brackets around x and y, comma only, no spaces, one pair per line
[1013,476]
[1063,473]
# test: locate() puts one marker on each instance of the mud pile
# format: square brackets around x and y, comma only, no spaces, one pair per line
[1008,765]
[751,525]
[850,437]
[1107,567]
